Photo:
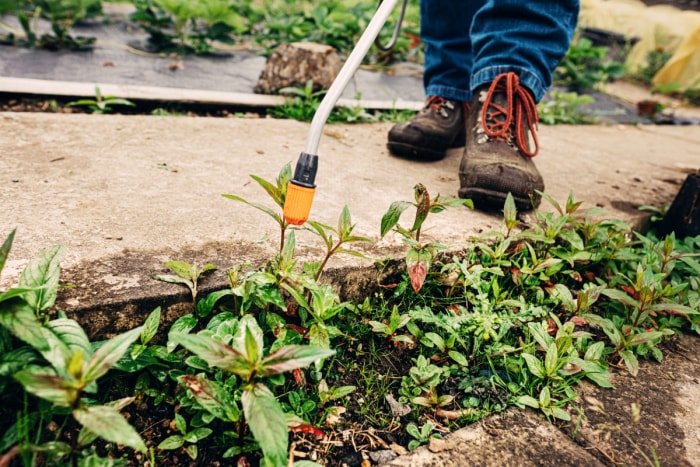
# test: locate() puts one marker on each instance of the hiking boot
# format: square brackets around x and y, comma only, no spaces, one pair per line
[498,157]
[436,128]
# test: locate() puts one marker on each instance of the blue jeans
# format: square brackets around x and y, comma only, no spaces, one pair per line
[470,42]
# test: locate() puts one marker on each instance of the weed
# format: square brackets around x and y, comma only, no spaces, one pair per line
[655,60]
[188,27]
[303,102]
[563,108]
[100,104]
[420,436]
[585,67]
[419,256]
[62,14]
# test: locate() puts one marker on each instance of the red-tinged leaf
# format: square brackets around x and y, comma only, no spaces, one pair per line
[109,354]
[673,308]
[576,276]
[578,321]
[308,429]
[551,326]
[621,296]
[296,328]
[47,386]
[630,291]
[216,354]
[213,397]
[289,357]
[299,377]
[515,273]
[417,273]
[388,286]
[590,275]
[415,40]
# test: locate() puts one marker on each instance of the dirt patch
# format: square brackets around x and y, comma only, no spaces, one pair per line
[667,396]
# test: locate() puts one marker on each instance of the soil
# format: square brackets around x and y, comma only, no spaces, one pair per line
[681,4]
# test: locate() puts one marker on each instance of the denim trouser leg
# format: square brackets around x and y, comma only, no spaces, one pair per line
[523,36]
[448,50]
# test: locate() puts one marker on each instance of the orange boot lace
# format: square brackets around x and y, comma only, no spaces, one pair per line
[519,113]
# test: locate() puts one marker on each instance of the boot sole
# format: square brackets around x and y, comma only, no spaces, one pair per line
[410,151]
[494,200]
[414,152]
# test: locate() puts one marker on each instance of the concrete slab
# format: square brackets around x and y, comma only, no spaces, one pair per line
[128,193]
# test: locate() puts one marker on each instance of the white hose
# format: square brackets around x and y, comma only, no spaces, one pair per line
[346,72]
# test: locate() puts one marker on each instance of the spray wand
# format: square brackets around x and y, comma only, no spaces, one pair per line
[302,187]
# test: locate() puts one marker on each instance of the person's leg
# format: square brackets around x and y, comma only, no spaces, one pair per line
[448,57]
[516,46]
[445,26]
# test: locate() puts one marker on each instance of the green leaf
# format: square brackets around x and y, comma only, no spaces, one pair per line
[607,326]
[108,355]
[534,365]
[545,398]
[561,414]
[150,326]
[5,249]
[183,325]
[644,337]
[86,436]
[391,217]
[192,451]
[621,297]
[551,359]
[344,223]
[631,361]
[198,434]
[510,212]
[248,340]
[459,358]
[173,279]
[594,353]
[206,305]
[213,397]
[538,330]
[601,378]
[259,207]
[72,335]
[42,274]
[180,423]
[529,401]
[291,357]
[267,422]
[108,424]
[14,292]
[19,319]
[274,192]
[172,442]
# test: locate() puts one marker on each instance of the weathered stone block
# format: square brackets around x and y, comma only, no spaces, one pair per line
[293,65]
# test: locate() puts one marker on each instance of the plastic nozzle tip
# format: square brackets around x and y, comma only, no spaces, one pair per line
[297,205]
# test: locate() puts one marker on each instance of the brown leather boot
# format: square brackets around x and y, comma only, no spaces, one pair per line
[498,157]
[436,128]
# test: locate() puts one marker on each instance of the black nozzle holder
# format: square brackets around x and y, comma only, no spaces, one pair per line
[305,171]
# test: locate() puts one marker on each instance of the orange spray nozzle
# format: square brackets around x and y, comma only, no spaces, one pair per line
[297,205]
[301,189]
